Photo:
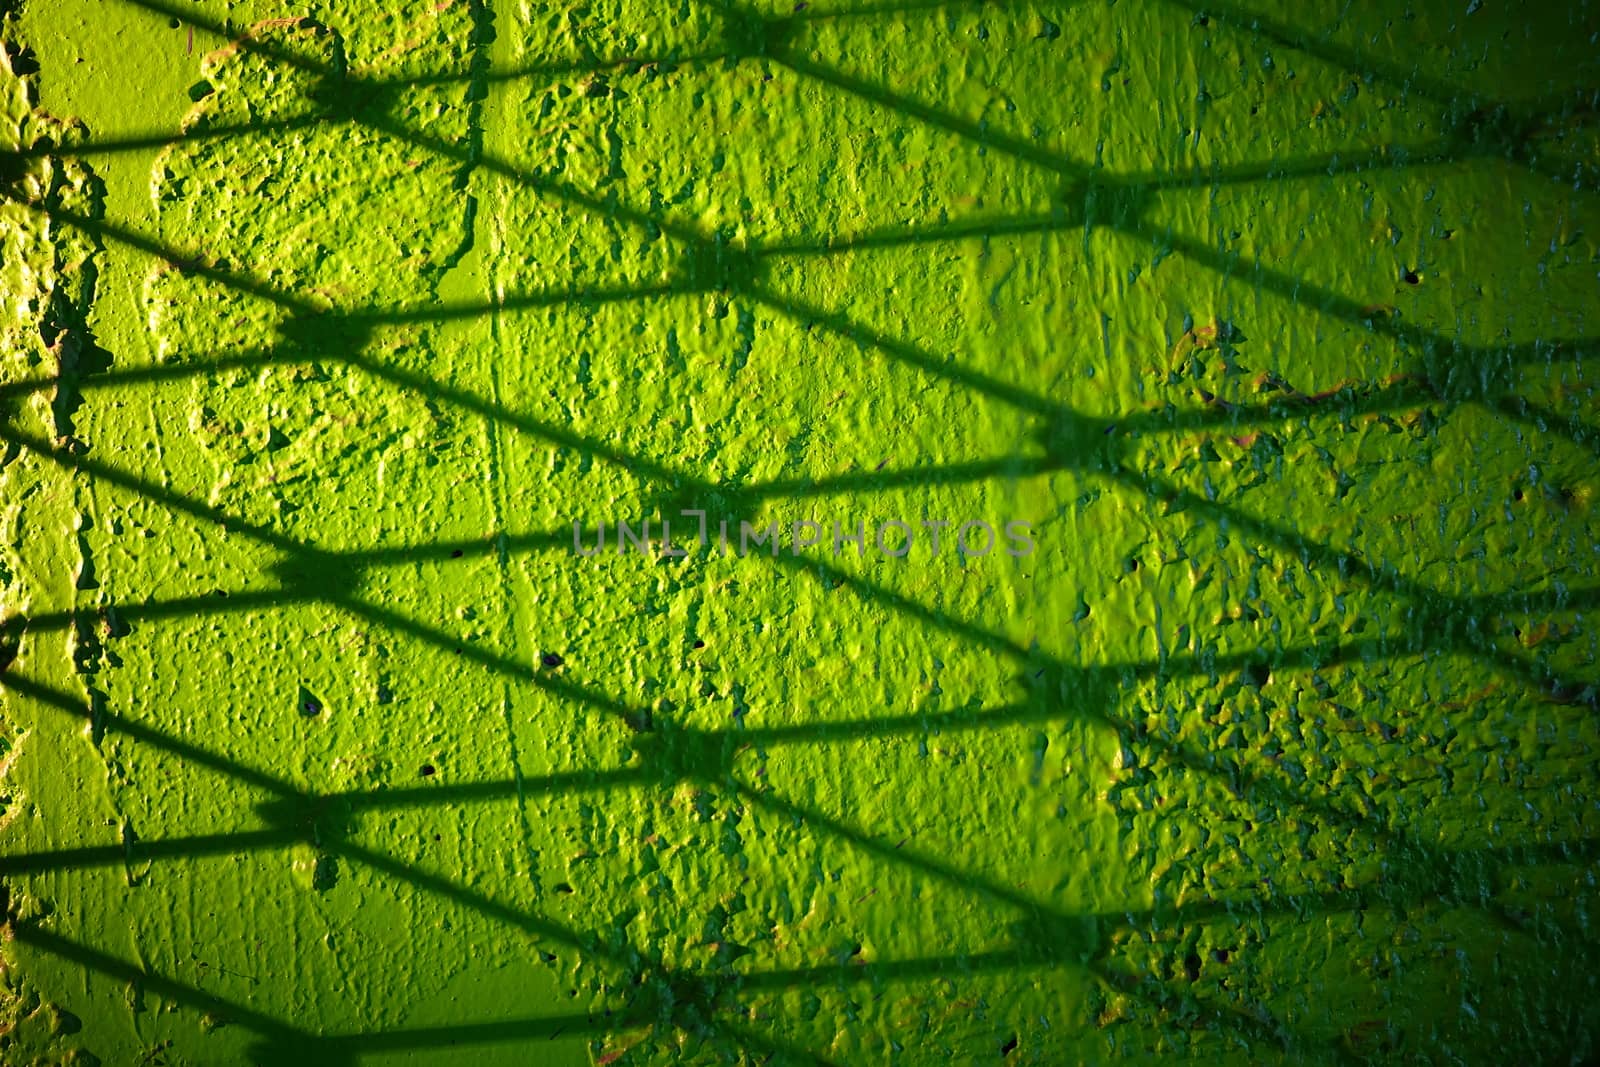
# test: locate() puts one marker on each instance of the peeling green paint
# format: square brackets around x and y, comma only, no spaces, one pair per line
[319,744]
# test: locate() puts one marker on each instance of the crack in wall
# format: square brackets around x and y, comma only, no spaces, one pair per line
[479,89]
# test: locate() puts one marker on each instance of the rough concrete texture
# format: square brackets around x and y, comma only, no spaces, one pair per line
[324,323]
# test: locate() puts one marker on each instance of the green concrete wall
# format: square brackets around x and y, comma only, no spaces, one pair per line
[323,325]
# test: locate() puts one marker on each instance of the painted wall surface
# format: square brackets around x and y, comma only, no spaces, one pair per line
[324,323]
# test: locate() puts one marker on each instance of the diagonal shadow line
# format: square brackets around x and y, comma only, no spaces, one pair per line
[604,208]
[1443,622]
[150,490]
[1062,924]
[1036,954]
[167,139]
[1437,610]
[552,432]
[293,804]
[1440,378]
[1333,163]
[501,415]
[1444,152]
[1517,668]
[1298,290]
[1167,666]
[247,42]
[295,819]
[533,925]
[200,846]
[38,938]
[196,264]
[430,796]
[1078,951]
[816,732]
[1446,877]
[1524,854]
[803,13]
[1040,950]
[1343,307]
[1442,875]
[1455,370]
[1401,395]
[365,85]
[366,1042]
[1055,221]
[975,132]
[937,867]
[596,296]
[244,41]
[1548,420]
[1009,467]
[116,377]
[461,153]
[1435,868]
[1455,149]
[902,604]
[1340,305]
[1437,152]
[417,383]
[362,84]
[436,885]
[294,816]
[115,233]
[1293,288]
[1347,562]
[909,354]
[1352,60]
[200,604]
[1439,865]
[500,664]
[1251,1028]
[1406,393]
[542,927]
[1325,554]
[748,1038]
[467,156]
[280,1036]
[65,702]
[1243,781]
[1327,165]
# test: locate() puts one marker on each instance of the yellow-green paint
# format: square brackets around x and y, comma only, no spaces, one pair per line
[323,325]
